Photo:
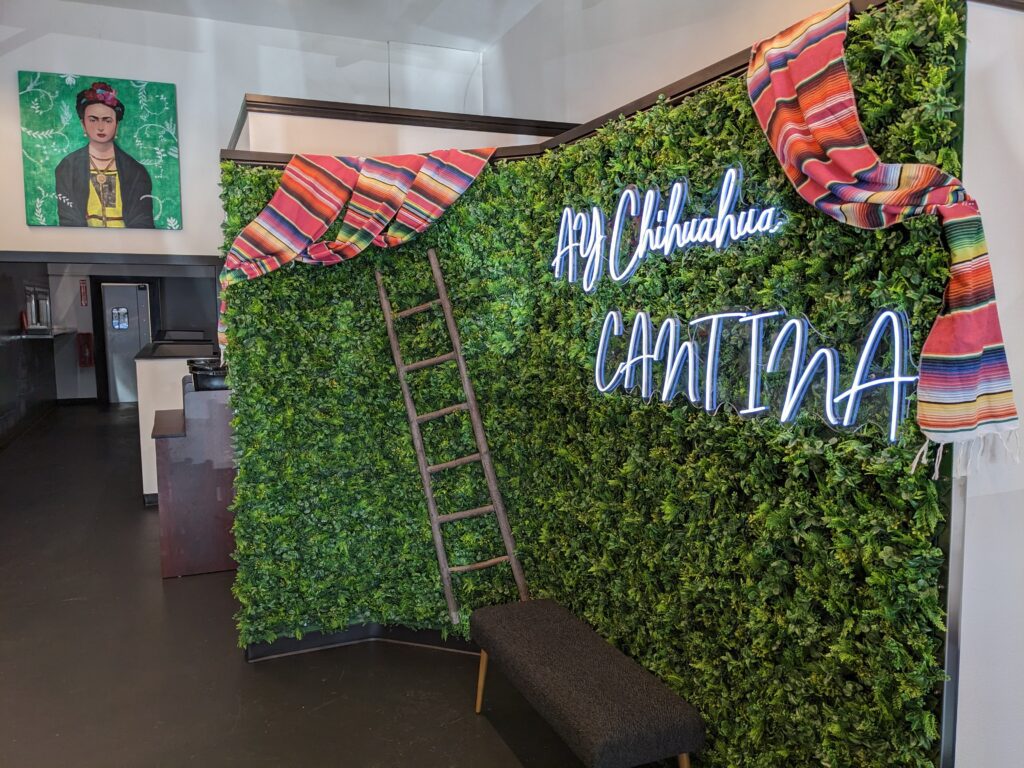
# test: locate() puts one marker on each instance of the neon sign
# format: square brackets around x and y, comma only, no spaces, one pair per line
[672,349]
[584,236]
[665,350]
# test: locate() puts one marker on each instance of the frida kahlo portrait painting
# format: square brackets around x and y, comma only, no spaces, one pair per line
[99,153]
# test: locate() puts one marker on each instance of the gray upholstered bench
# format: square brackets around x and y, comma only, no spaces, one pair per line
[611,711]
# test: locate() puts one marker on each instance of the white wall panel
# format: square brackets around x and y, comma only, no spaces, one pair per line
[574,60]
[991,702]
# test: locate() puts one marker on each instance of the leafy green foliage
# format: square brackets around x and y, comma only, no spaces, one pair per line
[783,578]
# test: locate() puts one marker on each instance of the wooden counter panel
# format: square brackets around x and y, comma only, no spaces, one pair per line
[195,475]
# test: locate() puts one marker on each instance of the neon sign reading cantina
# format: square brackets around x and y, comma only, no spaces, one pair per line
[585,239]
[680,363]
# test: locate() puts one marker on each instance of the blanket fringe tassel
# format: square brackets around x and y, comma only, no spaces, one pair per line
[970,455]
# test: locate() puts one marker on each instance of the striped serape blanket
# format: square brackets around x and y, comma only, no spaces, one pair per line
[801,93]
[389,200]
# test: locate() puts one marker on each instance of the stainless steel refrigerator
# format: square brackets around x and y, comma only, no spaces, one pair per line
[127,330]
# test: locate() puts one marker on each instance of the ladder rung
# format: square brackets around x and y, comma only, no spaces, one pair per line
[475,512]
[417,309]
[443,412]
[454,463]
[478,566]
[432,361]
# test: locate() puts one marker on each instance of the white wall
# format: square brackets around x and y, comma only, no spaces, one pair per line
[453,78]
[66,308]
[991,702]
[213,63]
[574,60]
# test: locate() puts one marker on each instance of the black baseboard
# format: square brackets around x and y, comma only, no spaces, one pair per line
[78,401]
[150,499]
[358,633]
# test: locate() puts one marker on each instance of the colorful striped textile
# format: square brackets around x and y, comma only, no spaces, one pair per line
[389,200]
[801,93]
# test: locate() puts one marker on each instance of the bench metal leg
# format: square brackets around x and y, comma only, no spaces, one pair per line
[481,678]
[684,760]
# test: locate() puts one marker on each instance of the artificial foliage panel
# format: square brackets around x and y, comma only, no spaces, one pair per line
[786,579]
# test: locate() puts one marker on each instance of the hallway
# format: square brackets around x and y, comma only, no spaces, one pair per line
[102,663]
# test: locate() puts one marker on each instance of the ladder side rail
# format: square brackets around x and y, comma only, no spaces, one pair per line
[478,430]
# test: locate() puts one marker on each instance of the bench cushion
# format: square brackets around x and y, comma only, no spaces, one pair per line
[609,710]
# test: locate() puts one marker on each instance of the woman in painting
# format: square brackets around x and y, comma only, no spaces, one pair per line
[101,185]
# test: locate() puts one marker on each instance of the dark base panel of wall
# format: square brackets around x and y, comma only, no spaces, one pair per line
[358,633]
[150,499]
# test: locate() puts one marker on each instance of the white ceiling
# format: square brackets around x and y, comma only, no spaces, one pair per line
[465,24]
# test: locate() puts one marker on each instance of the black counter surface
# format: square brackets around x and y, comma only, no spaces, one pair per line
[175,349]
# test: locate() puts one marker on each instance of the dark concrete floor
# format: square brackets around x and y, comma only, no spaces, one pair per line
[104,664]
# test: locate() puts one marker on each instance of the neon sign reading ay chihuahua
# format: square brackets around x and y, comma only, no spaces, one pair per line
[588,249]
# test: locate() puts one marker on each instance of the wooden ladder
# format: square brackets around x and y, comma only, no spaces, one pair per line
[482,455]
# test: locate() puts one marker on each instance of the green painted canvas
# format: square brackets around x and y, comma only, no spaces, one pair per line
[147,133]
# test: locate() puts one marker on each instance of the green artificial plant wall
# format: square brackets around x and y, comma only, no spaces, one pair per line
[783,578]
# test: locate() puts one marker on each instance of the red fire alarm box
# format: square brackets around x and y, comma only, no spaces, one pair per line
[86,359]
